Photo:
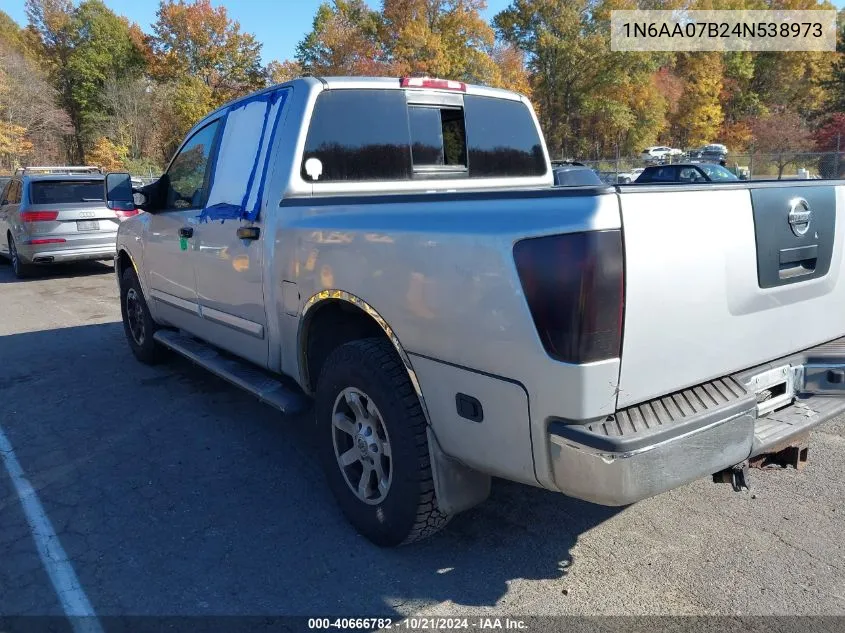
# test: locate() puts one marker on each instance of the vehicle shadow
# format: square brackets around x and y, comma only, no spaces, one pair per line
[176,494]
[56,271]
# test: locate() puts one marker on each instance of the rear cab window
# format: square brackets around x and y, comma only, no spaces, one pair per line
[438,139]
[465,136]
[344,139]
[65,191]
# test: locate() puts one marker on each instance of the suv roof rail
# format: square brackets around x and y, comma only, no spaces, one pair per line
[58,170]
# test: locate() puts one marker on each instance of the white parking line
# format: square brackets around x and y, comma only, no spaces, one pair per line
[72,597]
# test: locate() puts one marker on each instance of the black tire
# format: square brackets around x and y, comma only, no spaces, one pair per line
[21,270]
[408,512]
[132,300]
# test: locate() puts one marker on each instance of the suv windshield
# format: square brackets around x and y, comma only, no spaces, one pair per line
[66,191]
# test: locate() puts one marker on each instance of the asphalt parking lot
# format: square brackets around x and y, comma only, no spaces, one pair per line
[173,493]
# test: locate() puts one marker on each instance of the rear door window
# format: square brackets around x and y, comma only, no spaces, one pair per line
[65,191]
[360,135]
[502,139]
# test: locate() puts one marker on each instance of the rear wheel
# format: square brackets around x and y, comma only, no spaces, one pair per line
[374,444]
[138,324]
[20,269]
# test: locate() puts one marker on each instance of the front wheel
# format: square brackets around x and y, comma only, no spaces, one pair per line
[138,324]
[374,444]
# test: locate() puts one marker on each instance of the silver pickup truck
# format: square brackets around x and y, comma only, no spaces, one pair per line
[395,249]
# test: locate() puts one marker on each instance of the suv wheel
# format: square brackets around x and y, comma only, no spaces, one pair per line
[20,269]
[374,445]
[138,324]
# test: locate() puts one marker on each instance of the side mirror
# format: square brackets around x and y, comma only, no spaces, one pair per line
[118,194]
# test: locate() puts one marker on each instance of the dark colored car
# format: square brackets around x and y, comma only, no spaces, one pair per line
[686,173]
[712,153]
[575,175]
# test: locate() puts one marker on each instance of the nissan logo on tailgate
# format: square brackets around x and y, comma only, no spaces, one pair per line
[799,216]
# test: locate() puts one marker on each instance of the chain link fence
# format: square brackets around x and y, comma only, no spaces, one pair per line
[756,166]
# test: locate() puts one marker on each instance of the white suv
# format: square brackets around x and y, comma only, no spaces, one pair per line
[659,153]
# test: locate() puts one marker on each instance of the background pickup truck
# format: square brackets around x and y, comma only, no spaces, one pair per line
[396,249]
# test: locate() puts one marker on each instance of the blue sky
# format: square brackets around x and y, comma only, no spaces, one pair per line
[278,24]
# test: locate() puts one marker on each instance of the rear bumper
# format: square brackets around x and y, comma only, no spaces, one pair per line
[662,444]
[68,252]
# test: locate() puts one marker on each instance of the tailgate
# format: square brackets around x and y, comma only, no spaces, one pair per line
[724,277]
[72,219]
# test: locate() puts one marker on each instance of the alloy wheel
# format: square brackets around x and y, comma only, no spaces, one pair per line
[362,446]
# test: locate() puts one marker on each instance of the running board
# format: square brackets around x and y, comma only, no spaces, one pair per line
[238,372]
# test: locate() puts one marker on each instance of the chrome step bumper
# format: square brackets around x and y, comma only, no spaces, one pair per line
[658,445]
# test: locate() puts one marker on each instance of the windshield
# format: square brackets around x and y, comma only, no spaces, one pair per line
[66,191]
[717,172]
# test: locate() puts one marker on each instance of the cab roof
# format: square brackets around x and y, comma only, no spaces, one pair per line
[368,83]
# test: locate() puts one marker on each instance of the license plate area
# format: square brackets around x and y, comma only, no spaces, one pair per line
[775,388]
[87,225]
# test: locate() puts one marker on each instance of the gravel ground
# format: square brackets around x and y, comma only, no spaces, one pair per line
[174,493]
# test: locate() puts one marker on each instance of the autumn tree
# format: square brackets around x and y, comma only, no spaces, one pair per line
[13,37]
[344,39]
[107,155]
[81,47]
[441,38]
[699,116]
[195,41]
[591,102]
[831,136]
[783,135]
[104,47]
[561,56]
[511,71]
[31,120]
[132,122]
[52,22]
[835,85]
[279,72]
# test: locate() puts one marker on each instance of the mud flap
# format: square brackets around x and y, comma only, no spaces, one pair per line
[456,486]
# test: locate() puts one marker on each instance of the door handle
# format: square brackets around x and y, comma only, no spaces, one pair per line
[248,232]
[186,231]
[794,262]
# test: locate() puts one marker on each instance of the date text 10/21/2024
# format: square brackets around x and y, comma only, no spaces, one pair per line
[418,623]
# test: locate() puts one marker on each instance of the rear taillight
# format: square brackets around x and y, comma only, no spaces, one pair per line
[39,216]
[575,288]
[127,213]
